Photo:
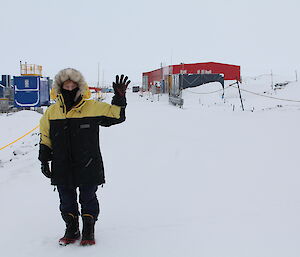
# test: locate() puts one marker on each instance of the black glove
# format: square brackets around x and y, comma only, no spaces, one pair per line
[121,85]
[45,153]
[45,169]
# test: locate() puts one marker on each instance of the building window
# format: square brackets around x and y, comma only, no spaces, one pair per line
[206,71]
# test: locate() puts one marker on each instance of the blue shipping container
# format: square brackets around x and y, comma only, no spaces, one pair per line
[31,91]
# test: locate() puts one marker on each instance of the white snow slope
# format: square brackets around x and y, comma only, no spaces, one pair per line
[199,181]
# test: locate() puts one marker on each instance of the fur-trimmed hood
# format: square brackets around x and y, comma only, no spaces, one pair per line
[75,76]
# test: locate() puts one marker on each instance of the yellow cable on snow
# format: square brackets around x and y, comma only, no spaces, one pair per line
[19,138]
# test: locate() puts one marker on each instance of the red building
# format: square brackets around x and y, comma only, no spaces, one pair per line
[157,77]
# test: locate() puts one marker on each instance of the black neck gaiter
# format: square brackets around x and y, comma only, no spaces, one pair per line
[69,96]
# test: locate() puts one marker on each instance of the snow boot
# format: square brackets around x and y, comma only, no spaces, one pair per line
[88,237]
[72,232]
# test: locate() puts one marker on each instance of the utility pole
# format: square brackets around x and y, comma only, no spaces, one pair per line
[161,78]
[102,78]
[296,75]
[240,94]
[271,79]
[98,82]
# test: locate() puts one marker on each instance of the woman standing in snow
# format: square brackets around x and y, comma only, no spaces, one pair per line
[69,132]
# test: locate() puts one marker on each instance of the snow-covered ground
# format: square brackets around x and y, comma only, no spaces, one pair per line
[203,180]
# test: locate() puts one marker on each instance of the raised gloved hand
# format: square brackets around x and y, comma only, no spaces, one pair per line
[45,169]
[121,85]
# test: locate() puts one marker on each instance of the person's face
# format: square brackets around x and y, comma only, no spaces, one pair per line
[69,85]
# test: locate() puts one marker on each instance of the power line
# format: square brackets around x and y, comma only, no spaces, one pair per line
[206,93]
[250,92]
[281,99]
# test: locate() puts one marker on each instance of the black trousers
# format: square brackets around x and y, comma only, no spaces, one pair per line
[87,199]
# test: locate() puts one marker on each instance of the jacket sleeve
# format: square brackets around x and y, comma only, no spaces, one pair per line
[109,114]
[45,130]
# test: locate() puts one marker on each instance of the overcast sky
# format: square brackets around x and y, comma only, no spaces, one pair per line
[135,36]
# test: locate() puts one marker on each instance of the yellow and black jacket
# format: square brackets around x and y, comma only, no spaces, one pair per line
[73,138]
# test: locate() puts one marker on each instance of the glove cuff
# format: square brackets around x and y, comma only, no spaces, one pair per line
[119,101]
